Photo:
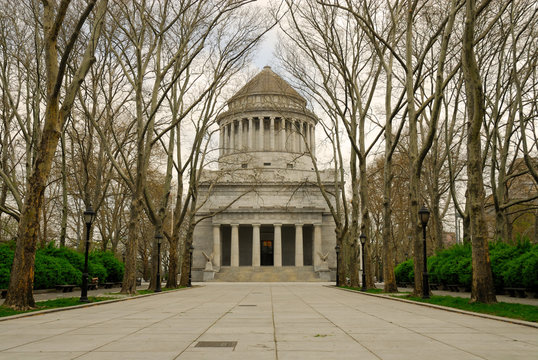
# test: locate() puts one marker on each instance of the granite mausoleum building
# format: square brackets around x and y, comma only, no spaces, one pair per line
[263,216]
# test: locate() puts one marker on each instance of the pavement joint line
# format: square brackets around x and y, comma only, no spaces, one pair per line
[212,324]
[426,335]
[274,325]
[48,311]
[440,307]
[334,324]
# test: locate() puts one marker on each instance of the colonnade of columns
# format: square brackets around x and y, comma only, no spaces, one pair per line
[256,245]
[250,134]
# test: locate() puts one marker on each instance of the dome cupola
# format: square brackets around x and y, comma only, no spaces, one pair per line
[267,125]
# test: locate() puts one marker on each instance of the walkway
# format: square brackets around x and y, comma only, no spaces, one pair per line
[268,321]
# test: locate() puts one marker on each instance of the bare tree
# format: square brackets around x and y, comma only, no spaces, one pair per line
[21,282]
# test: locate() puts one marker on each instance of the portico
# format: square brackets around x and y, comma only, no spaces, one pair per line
[266,244]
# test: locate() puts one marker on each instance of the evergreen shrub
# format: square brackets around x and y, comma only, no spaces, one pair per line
[512,265]
[404,272]
[114,267]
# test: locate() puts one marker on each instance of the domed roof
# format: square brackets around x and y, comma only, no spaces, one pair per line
[267,83]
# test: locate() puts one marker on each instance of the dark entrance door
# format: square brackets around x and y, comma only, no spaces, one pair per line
[266,252]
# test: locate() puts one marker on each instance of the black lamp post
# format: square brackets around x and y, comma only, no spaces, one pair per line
[337,249]
[424,216]
[89,214]
[159,238]
[363,242]
[191,248]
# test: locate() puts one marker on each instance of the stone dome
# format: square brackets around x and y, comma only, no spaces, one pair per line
[266,84]
[267,125]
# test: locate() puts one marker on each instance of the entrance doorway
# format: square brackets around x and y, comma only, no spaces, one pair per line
[266,245]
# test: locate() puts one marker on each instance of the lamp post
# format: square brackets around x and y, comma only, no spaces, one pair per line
[89,215]
[337,249]
[191,248]
[424,216]
[363,242]
[158,237]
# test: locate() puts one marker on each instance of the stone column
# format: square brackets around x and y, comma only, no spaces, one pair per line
[240,135]
[260,135]
[298,244]
[250,133]
[216,245]
[277,246]
[232,136]
[283,134]
[255,244]
[221,140]
[307,134]
[301,137]
[296,138]
[235,245]
[225,139]
[313,140]
[272,133]
[317,244]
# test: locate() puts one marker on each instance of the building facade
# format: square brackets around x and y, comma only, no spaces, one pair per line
[262,208]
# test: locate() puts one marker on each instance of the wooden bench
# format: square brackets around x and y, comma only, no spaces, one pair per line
[94,284]
[454,288]
[516,292]
[65,288]
[434,286]
[4,293]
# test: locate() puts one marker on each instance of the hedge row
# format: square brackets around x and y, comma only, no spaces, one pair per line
[55,266]
[511,265]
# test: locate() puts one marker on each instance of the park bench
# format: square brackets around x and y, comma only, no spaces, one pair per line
[108,285]
[65,288]
[516,292]
[453,287]
[138,281]
[94,284]
[118,284]
[434,286]
[4,293]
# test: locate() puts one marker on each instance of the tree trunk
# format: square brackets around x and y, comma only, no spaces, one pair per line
[173,262]
[185,264]
[131,248]
[63,229]
[482,283]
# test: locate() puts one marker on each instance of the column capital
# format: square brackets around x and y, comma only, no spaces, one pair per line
[234,225]
[277,225]
[299,225]
[256,225]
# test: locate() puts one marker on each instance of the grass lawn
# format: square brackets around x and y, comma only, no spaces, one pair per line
[509,310]
[52,304]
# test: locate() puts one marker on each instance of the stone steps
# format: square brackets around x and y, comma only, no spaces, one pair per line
[266,274]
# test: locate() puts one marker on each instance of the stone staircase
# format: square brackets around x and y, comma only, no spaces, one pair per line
[266,274]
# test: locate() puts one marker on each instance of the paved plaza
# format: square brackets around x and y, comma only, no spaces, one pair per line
[263,321]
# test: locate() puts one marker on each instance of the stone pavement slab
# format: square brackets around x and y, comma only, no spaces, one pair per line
[263,321]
